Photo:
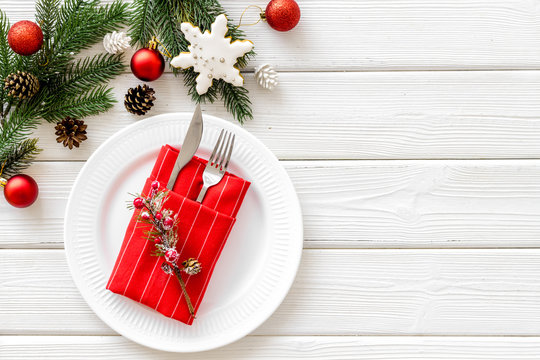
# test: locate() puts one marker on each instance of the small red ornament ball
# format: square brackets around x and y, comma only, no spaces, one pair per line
[168,223]
[282,15]
[25,37]
[147,64]
[21,191]
[171,255]
[138,203]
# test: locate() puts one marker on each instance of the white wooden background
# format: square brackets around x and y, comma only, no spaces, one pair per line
[411,130]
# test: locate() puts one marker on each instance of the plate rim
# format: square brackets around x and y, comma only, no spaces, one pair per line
[297,226]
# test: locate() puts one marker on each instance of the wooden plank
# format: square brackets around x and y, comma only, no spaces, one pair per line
[389,35]
[281,347]
[337,292]
[355,204]
[403,115]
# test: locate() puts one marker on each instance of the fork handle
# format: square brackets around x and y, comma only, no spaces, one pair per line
[202,194]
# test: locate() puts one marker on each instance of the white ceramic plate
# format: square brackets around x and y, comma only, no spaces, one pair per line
[256,268]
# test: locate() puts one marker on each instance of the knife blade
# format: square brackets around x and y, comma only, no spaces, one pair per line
[190,145]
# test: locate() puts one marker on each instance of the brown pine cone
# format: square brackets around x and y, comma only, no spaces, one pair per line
[139,100]
[22,85]
[71,132]
[191,266]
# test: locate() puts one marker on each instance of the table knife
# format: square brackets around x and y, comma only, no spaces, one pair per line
[190,145]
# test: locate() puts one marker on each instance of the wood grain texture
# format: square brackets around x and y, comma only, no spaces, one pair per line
[280,347]
[404,115]
[337,292]
[355,204]
[388,104]
[389,35]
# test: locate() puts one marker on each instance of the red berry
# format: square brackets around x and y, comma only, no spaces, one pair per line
[158,240]
[168,223]
[159,216]
[138,203]
[171,255]
[145,215]
[155,184]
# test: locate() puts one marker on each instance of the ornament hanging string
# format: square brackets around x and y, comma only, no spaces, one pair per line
[156,41]
[262,16]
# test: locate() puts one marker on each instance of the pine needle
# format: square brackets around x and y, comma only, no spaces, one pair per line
[78,105]
[163,18]
[67,87]
[18,157]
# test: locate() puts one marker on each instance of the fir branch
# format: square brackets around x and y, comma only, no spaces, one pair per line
[169,26]
[6,54]
[87,73]
[21,122]
[66,88]
[163,18]
[46,17]
[236,101]
[18,157]
[6,59]
[78,106]
[83,24]
[190,77]
[142,22]
[235,98]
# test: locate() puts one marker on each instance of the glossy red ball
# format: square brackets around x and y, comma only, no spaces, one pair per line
[282,15]
[171,255]
[21,191]
[147,64]
[168,223]
[25,37]
[138,203]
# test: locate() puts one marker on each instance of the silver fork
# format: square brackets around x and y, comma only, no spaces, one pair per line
[218,162]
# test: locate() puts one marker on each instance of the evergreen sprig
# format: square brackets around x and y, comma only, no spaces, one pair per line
[19,156]
[163,18]
[68,87]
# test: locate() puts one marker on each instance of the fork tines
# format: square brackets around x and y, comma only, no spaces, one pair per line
[219,161]
[222,151]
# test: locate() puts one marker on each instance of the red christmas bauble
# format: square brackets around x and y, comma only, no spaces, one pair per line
[282,15]
[171,255]
[147,64]
[25,37]
[21,190]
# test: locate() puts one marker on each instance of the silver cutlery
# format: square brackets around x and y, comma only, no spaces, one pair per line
[218,162]
[190,145]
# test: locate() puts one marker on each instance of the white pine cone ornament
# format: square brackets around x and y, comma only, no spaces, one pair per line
[266,76]
[116,42]
[191,266]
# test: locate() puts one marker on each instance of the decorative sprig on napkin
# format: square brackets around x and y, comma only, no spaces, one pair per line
[164,235]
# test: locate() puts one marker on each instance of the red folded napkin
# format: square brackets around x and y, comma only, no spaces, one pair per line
[202,230]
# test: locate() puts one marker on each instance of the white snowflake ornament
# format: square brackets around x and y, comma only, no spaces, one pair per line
[212,54]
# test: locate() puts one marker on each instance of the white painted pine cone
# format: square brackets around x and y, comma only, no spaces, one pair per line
[116,42]
[266,76]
